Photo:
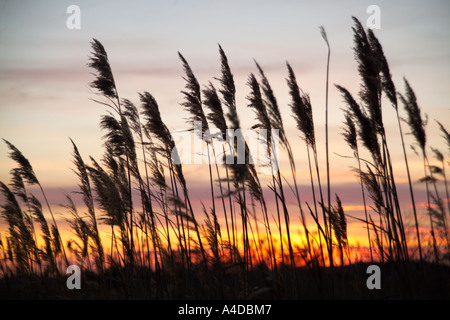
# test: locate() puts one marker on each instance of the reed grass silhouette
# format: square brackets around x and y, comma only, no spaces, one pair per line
[160,249]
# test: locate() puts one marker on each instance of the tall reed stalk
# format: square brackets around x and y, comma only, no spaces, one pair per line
[302,111]
[446,136]
[417,126]
[105,84]
[256,102]
[277,123]
[325,38]
[375,76]
[243,175]
[157,127]
[351,137]
[193,104]
[88,199]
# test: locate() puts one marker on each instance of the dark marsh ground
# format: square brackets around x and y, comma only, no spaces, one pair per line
[412,281]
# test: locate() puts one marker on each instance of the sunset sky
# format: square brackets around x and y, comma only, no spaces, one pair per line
[45,94]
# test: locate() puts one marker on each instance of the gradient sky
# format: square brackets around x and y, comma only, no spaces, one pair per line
[44,92]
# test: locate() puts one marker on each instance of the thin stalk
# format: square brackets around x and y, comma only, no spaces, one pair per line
[216,232]
[391,202]
[329,239]
[315,206]
[411,193]
[279,222]
[246,238]
[179,218]
[429,207]
[286,217]
[446,187]
[197,231]
[364,203]
[223,199]
[438,199]
[233,218]
[54,223]
[324,35]
[393,187]
[297,195]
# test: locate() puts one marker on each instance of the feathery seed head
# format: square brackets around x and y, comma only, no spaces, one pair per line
[99,61]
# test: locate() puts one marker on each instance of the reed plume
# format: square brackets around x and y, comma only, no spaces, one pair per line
[119,134]
[417,126]
[193,99]
[104,81]
[440,157]
[445,134]
[388,88]
[47,253]
[276,122]
[365,131]
[212,102]
[338,222]
[217,118]
[239,172]
[17,185]
[81,230]
[414,118]
[375,75]
[193,104]
[112,199]
[26,171]
[156,126]
[88,199]
[302,111]
[440,212]
[369,71]
[228,90]
[21,240]
[257,103]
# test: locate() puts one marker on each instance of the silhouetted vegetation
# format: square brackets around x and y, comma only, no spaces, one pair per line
[157,246]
